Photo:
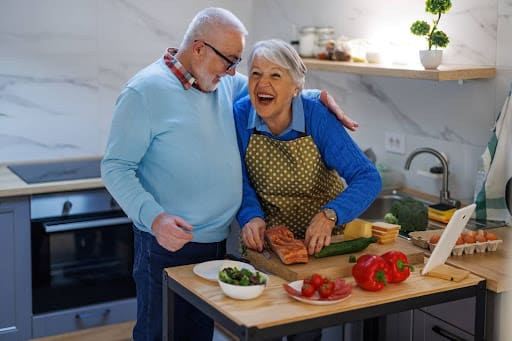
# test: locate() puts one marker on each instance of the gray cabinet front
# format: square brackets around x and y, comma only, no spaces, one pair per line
[430,328]
[446,321]
[15,269]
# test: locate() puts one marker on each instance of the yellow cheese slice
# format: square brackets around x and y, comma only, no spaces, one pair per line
[378,233]
[386,241]
[357,228]
[383,226]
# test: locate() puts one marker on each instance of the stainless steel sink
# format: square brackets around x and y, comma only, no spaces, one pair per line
[382,205]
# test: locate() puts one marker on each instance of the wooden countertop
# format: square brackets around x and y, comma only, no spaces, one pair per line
[274,307]
[493,266]
[11,185]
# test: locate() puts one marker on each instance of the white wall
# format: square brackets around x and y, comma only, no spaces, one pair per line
[63,63]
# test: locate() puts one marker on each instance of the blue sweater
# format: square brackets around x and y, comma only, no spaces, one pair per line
[174,150]
[336,147]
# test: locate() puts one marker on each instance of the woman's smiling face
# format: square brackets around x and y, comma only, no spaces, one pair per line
[271,88]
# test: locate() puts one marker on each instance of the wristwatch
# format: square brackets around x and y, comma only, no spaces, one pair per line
[330,214]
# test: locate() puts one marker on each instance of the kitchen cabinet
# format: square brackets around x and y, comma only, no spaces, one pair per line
[15,269]
[443,73]
[446,321]
[97,315]
[430,328]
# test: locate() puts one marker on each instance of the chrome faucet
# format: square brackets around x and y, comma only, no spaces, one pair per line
[444,196]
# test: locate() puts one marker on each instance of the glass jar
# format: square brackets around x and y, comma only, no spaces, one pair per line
[307,41]
[325,42]
[324,34]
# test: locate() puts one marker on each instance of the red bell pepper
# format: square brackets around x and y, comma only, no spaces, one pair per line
[371,272]
[400,267]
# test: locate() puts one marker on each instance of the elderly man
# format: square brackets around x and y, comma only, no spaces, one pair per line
[172,162]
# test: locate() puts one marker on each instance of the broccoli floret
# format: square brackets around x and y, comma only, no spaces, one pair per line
[390,218]
[412,215]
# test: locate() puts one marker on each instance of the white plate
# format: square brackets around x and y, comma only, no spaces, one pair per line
[315,299]
[210,270]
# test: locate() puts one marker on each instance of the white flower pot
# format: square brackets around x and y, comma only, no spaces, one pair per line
[431,59]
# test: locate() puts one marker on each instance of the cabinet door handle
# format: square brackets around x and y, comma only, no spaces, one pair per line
[446,334]
[86,315]
[86,224]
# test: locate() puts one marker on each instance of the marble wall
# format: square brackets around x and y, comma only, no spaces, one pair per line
[63,63]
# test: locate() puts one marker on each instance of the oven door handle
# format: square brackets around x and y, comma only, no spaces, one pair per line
[79,225]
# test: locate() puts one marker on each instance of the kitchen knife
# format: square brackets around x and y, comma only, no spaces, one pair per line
[265,252]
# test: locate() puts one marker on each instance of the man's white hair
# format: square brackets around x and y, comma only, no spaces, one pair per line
[209,20]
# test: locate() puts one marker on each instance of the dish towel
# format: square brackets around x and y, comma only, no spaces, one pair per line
[497,168]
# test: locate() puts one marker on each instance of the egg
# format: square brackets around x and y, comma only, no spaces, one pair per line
[435,238]
[460,240]
[491,236]
[480,238]
[469,239]
[470,233]
[482,232]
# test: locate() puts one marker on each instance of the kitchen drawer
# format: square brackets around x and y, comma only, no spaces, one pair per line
[65,321]
[460,313]
[430,328]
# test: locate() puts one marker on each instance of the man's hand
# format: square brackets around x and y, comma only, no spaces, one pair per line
[330,103]
[318,233]
[253,234]
[171,232]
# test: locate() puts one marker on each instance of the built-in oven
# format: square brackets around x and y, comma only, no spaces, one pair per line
[82,259]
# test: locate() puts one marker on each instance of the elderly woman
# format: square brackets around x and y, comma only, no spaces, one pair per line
[300,167]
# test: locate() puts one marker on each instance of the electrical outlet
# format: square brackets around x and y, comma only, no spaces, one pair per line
[394,143]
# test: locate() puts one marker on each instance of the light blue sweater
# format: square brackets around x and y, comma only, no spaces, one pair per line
[174,150]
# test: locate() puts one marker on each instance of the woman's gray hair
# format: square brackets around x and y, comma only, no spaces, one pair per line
[208,20]
[283,54]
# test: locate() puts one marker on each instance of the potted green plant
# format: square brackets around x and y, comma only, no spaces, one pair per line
[431,59]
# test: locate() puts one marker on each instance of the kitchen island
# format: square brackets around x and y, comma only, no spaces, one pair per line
[275,314]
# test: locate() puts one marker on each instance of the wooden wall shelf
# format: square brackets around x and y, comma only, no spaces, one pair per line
[443,73]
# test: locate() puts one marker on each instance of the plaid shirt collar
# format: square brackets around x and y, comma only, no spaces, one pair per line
[185,77]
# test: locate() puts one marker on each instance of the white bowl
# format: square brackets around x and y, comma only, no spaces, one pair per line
[243,292]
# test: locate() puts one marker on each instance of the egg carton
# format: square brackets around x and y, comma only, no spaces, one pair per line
[471,248]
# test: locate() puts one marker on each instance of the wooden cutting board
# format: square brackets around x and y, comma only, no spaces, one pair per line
[332,267]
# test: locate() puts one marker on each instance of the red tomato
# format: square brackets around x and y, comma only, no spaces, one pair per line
[316,280]
[326,290]
[329,283]
[307,290]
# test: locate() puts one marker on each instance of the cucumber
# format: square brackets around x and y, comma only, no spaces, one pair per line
[349,246]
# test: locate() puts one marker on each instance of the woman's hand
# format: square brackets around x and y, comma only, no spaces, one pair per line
[252,234]
[330,103]
[318,233]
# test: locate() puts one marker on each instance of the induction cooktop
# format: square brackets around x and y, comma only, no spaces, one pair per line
[57,171]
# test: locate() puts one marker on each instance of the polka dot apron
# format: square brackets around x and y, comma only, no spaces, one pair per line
[291,180]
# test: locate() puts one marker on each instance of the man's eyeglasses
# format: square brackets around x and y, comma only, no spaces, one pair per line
[231,64]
